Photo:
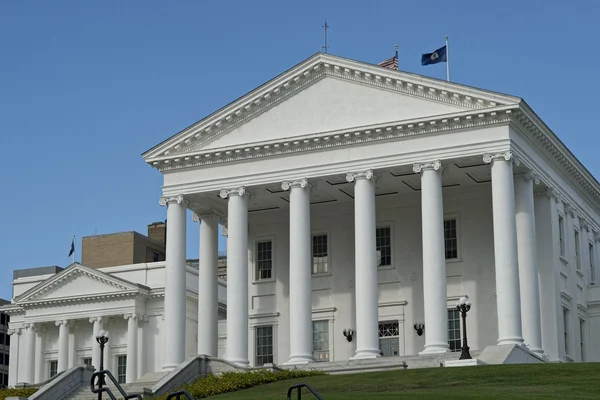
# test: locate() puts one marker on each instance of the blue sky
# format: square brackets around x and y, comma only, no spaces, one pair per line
[86,87]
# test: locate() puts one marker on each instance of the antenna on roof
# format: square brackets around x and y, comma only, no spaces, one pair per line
[325,29]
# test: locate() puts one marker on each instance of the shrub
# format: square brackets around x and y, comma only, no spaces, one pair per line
[16,392]
[213,385]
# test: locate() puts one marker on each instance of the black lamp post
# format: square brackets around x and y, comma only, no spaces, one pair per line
[102,339]
[464,305]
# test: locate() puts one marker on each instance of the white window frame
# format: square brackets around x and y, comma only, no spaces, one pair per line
[577,255]
[566,330]
[273,344]
[312,235]
[268,238]
[50,362]
[562,244]
[329,350]
[259,320]
[387,224]
[327,314]
[118,374]
[454,310]
[448,217]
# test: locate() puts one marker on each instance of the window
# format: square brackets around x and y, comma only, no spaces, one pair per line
[384,245]
[264,345]
[454,329]
[450,239]
[7,340]
[264,260]
[6,357]
[2,358]
[155,256]
[121,369]
[566,329]
[320,254]
[2,319]
[389,329]
[87,361]
[5,379]
[592,269]
[581,338]
[561,234]
[577,252]
[321,341]
[1,338]
[53,368]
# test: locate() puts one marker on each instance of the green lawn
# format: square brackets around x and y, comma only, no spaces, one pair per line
[558,381]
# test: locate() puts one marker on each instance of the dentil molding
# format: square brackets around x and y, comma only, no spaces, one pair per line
[353,176]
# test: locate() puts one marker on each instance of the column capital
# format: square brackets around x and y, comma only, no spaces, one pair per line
[489,158]
[301,183]
[62,322]
[584,223]
[549,192]
[354,176]
[31,325]
[131,316]
[225,193]
[164,200]
[209,215]
[93,320]
[528,176]
[13,331]
[596,236]
[432,166]
[224,231]
[569,209]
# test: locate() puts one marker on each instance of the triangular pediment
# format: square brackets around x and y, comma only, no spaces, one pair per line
[323,94]
[77,281]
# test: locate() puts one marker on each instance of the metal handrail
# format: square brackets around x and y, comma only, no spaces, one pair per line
[177,395]
[299,386]
[105,389]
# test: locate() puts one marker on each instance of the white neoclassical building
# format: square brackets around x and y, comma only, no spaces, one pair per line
[363,199]
[359,202]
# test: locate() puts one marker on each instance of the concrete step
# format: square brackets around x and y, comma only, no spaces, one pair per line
[85,393]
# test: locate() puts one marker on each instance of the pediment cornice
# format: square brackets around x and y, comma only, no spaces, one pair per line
[304,75]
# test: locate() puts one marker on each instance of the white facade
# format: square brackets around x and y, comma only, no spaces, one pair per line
[372,199]
[358,202]
[56,317]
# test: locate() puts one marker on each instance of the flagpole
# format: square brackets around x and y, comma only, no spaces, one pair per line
[447,60]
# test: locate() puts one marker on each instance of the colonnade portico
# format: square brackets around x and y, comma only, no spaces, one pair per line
[514,252]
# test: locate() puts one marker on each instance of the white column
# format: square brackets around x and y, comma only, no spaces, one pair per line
[175,285]
[237,276]
[365,265]
[63,345]
[208,302]
[508,298]
[97,327]
[596,258]
[29,354]
[132,347]
[14,357]
[528,268]
[300,273]
[435,299]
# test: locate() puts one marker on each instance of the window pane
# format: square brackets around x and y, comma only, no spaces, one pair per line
[450,239]
[321,341]
[383,242]
[454,335]
[121,369]
[264,345]
[264,260]
[320,254]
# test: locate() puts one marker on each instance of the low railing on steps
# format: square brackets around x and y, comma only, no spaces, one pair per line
[180,395]
[299,387]
[105,389]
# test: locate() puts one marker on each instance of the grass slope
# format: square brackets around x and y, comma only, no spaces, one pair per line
[547,381]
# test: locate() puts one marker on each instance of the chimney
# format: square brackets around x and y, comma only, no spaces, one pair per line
[158,231]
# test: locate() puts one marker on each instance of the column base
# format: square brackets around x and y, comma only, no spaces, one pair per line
[435,349]
[300,359]
[510,341]
[366,354]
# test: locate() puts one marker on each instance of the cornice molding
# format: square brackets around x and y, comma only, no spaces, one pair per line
[308,73]
[355,176]
[115,296]
[299,184]
[432,166]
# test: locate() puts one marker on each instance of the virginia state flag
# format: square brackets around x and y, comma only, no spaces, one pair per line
[438,56]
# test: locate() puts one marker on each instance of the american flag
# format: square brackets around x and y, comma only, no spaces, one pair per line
[391,63]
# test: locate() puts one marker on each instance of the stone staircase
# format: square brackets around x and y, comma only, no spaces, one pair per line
[146,381]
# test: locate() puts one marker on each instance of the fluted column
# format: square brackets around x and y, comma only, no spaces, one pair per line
[434,260]
[208,302]
[175,285]
[63,345]
[98,325]
[132,347]
[528,268]
[29,354]
[365,267]
[237,275]
[508,297]
[300,273]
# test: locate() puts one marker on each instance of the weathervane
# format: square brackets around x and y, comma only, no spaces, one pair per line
[325,29]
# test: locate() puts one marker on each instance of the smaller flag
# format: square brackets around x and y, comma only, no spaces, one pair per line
[391,63]
[438,56]
[72,248]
